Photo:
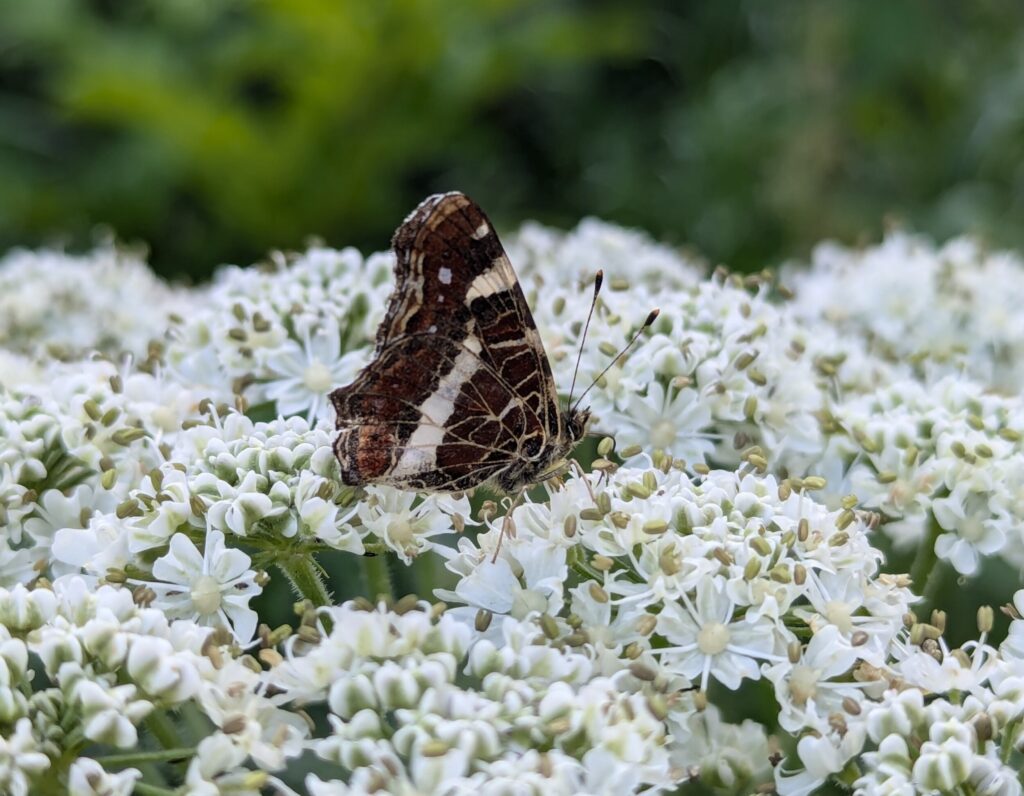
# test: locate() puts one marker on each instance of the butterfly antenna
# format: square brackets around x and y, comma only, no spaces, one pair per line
[598,279]
[618,356]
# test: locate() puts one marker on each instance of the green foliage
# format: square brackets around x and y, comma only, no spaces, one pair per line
[217,131]
[224,129]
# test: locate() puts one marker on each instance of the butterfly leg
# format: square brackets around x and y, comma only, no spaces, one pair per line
[582,474]
[507,526]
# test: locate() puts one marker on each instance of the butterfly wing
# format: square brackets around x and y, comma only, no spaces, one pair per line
[459,389]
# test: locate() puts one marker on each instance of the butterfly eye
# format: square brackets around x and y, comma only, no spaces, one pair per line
[578,424]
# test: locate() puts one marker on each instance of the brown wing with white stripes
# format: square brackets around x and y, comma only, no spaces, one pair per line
[460,389]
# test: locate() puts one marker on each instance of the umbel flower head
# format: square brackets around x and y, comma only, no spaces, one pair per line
[951,309]
[698,582]
[53,303]
[942,464]
[287,334]
[710,608]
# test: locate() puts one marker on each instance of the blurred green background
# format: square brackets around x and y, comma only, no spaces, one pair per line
[215,131]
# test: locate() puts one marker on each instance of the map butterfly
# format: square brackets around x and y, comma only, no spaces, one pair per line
[459,391]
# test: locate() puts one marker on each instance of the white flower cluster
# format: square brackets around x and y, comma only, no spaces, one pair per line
[946,746]
[952,719]
[417,706]
[167,476]
[287,333]
[74,446]
[721,374]
[825,384]
[81,666]
[948,310]
[273,485]
[942,463]
[741,578]
[73,449]
[690,585]
[270,487]
[51,302]
[552,257]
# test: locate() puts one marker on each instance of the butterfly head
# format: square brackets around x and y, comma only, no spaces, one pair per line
[576,421]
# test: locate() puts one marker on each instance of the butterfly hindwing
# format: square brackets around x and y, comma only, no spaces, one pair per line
[459,391]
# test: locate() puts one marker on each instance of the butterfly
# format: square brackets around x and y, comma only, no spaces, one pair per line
[459,392]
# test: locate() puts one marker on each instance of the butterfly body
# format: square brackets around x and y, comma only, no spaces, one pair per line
[459,392]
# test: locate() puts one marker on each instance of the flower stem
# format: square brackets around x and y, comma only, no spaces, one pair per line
[194,723]
[934,583]
[143,789]
[584,570]
[924,562]
[378,578]
[1010,740]
[135,758]
[302,572]
[162,728]
[578,562]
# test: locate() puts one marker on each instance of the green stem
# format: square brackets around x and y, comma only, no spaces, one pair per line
[302,572]
[75,738]
[585,571]
[378,578]
[934,583]
[162,728]
[142,789]
[427,573]
[136,758]
[924,561]
[194,722]
[1009,741]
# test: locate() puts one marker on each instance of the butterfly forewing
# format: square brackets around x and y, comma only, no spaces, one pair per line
[459,391]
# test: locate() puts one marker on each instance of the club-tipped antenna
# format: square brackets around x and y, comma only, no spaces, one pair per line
[598,279]
[650,319]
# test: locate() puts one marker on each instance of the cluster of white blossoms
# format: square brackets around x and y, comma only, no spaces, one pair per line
[948,310]
[270,487]
[942,463]
[695,588]
[82,666]
[423,705]
[286,333]
[52,304]
[721,374]
[74,445]
[708,607]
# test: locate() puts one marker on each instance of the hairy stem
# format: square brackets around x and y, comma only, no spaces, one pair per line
[378,578]
[305,578]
